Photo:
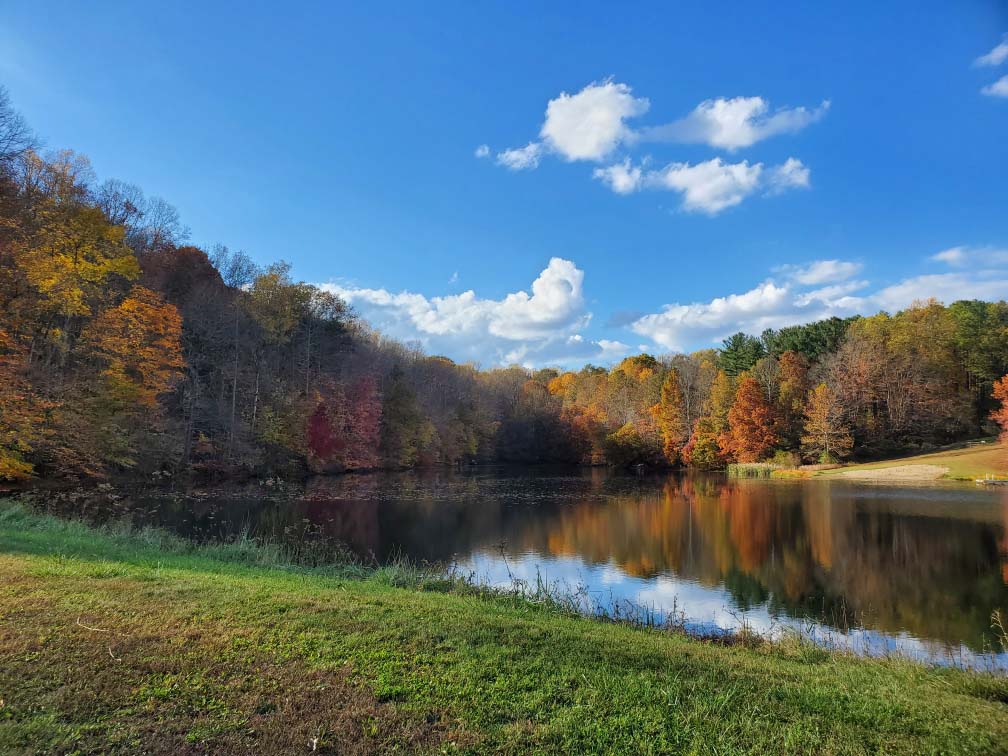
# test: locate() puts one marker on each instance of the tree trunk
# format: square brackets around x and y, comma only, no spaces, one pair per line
[234,386]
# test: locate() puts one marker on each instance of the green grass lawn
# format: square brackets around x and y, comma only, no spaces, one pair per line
[140,643]
[967,463]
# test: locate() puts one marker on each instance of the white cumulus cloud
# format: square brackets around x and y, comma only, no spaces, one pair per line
[834,293]
[821,271]
[589,125]
[945,287]
[556,302]
[798,295]
[791,174]
[951,256]
[998,89]
[733,123]
[521,158]
[995,57]
[707,187]
[613,349]
[710,186]
[535,327]
[679,326]
[976,257]
[593,123]
[622,178]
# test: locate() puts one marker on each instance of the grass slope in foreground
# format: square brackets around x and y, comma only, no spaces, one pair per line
[141,643]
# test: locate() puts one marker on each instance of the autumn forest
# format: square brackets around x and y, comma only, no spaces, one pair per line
[126,350]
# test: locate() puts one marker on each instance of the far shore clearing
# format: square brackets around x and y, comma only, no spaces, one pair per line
[898,472]
[965,463]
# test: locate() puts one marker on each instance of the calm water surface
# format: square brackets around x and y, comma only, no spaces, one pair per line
[914,570]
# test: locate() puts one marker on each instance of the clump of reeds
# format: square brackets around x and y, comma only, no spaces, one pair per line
[751,469]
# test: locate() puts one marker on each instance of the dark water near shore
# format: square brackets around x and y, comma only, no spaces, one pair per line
[880,569]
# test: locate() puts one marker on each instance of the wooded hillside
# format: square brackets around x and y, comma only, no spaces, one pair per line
[125,349]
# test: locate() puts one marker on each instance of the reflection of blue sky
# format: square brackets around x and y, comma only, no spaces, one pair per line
[605,588]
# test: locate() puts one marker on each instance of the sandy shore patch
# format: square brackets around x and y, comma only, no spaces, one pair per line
[898,472]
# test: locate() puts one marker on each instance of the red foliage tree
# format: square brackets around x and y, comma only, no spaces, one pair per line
[324,444]
[343,431]
[364,427]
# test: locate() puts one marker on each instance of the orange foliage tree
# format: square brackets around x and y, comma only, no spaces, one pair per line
[1000,415]
[136,348]
[751,424]
[138,344]
[560,385]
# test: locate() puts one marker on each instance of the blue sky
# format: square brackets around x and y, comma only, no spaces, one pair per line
[697,169]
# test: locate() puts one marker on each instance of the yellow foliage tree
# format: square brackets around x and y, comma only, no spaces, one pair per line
[670,417]
[826,433]
[72,256]
[560,385]
[23,412]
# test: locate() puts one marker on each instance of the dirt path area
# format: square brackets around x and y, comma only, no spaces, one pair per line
[898,472]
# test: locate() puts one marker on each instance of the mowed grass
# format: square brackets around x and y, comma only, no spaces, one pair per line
[968,463]
[115,642]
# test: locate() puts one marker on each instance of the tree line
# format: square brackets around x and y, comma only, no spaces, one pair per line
[123,348]
[862,386]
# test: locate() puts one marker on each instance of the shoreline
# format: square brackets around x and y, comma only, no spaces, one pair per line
[903,468]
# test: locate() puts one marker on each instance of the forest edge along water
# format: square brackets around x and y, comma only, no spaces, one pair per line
[893,569]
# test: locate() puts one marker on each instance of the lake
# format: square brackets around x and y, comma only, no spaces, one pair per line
[878,569]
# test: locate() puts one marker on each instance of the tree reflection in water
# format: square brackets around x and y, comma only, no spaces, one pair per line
[927,563]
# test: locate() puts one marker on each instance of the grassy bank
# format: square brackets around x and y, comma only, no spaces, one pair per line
[964,463]
[127,643]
